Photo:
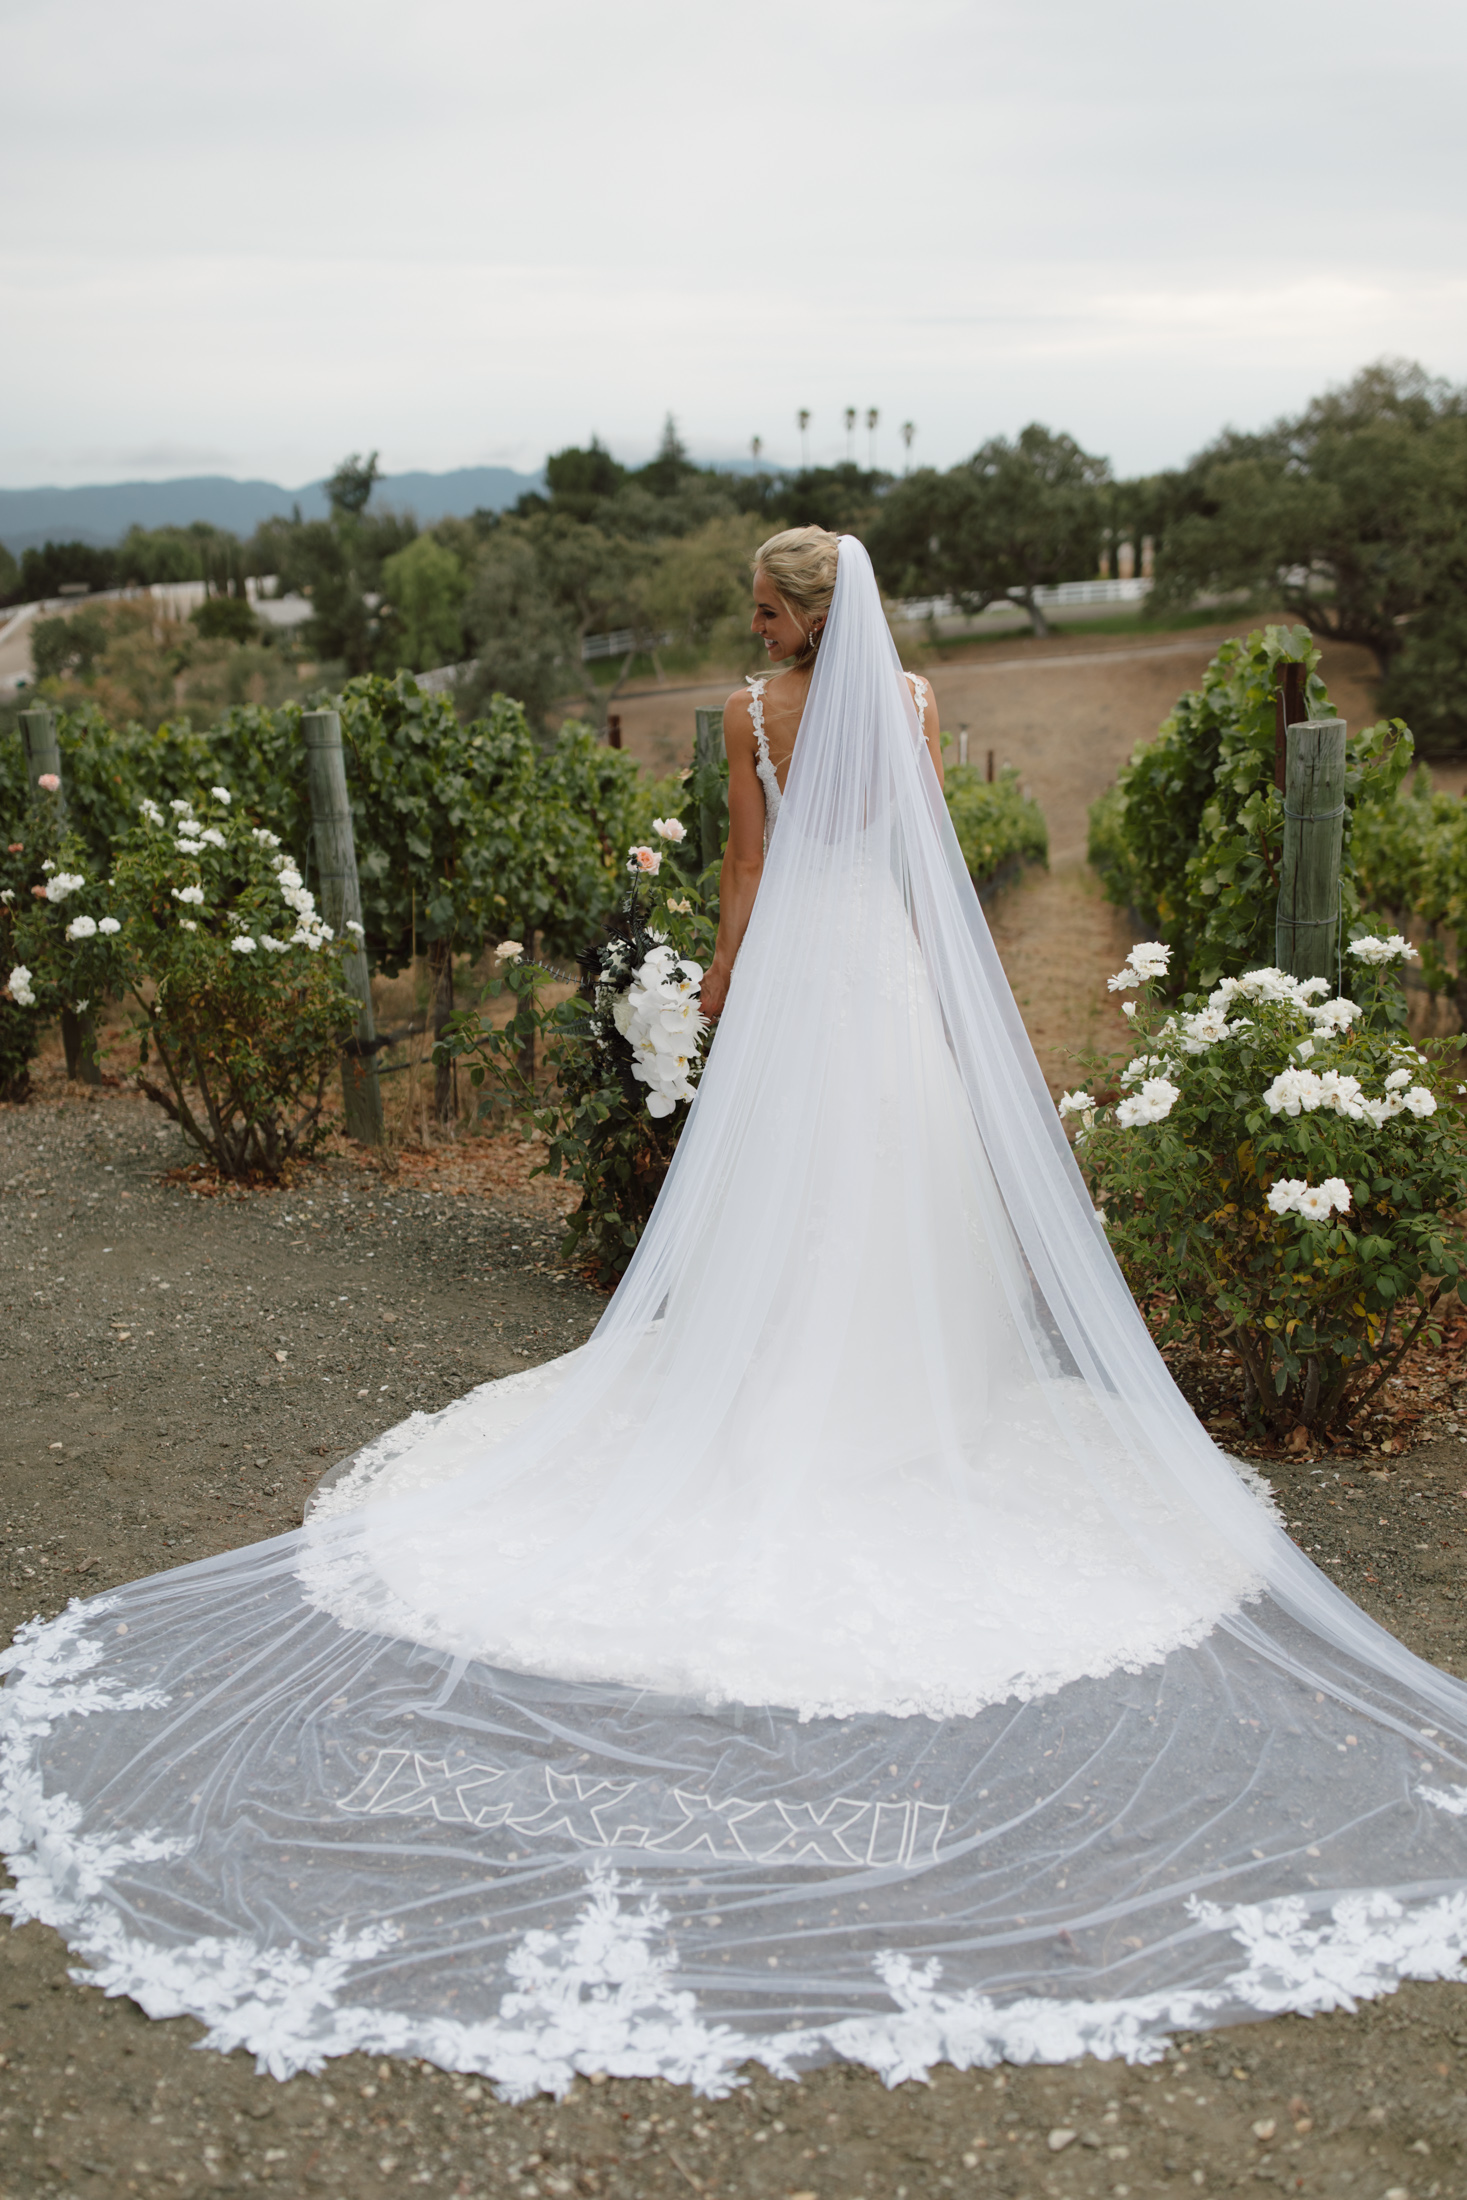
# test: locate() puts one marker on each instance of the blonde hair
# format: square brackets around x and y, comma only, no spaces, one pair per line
[800,564]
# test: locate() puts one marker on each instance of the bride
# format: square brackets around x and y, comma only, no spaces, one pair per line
[857,1648]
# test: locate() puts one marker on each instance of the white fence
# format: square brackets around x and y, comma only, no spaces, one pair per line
[1066,593]
[595,648]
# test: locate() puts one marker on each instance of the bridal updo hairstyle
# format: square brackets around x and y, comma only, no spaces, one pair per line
[800,564]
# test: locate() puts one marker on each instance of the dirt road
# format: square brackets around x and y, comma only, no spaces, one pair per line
[150,1417]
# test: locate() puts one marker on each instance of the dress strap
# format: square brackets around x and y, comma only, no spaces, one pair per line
[919,697]
[756,684]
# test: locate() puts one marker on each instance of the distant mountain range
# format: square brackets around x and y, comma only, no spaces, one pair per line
[102,515]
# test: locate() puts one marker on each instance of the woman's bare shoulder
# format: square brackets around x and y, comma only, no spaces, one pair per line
[736,712]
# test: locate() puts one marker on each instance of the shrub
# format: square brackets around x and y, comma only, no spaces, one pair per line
[1282,1174]
[998,826]
[1190,839]
[235,982]
[226,619]
[1411,858]
[106,771]
[20,1026]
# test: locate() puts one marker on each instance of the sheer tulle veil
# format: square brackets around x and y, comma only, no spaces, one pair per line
[857,1648]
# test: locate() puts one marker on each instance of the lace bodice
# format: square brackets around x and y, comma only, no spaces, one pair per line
[756,684]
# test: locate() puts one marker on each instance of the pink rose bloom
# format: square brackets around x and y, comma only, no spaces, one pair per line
[645,859]
[50,782]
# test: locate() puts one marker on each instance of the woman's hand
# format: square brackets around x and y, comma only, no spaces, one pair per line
[713,993]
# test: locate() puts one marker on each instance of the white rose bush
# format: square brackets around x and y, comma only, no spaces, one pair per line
[1280,1171]
[207,929]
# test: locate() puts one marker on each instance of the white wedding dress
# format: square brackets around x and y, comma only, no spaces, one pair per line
[856,1648]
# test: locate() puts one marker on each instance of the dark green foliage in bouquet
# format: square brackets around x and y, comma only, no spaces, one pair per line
[592,1111]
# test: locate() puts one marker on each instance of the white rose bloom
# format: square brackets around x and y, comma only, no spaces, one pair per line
[1152,1104]
[1420,1101]
[300,937]
[1204,1030]
[509,951]
[189,847]
[290,878]
[222,794]
[194,894]
[181,809]
[151,811]
[1330,1018]
[671,828]
[1292,1090]
[64,883]
[7,893]
[1392,949]
[1343,1094]
[265,839]
[18,985]
[243,944]
[358,931]
[186,924]
[1381,1111]
[212,834]
[1267,984]
[82,928]
[1295,1195]
[108,924]
[1304,1049]
[274,946]
[1074,1103]
[1397,1079]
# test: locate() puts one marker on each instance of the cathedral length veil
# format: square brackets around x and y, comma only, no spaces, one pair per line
[857,1648]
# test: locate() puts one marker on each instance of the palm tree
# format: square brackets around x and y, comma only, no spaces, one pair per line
[909,429]
[756,445]
[804,420]
[850,434]
[873,421]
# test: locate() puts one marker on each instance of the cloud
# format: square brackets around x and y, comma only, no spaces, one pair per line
[458,232]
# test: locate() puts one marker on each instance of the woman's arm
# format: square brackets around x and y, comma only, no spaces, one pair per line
[932,730]
[743,858]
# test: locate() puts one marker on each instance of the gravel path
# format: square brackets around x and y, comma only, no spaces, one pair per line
[149,1418]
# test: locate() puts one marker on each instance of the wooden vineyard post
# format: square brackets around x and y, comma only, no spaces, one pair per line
[43,754]
[1289,709]
[709,788]
[341,903]
[1306,929]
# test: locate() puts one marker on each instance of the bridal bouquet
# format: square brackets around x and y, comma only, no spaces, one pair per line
[645,993]
[624,1052]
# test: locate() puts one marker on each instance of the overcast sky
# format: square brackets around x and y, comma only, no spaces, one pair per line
[247,239]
